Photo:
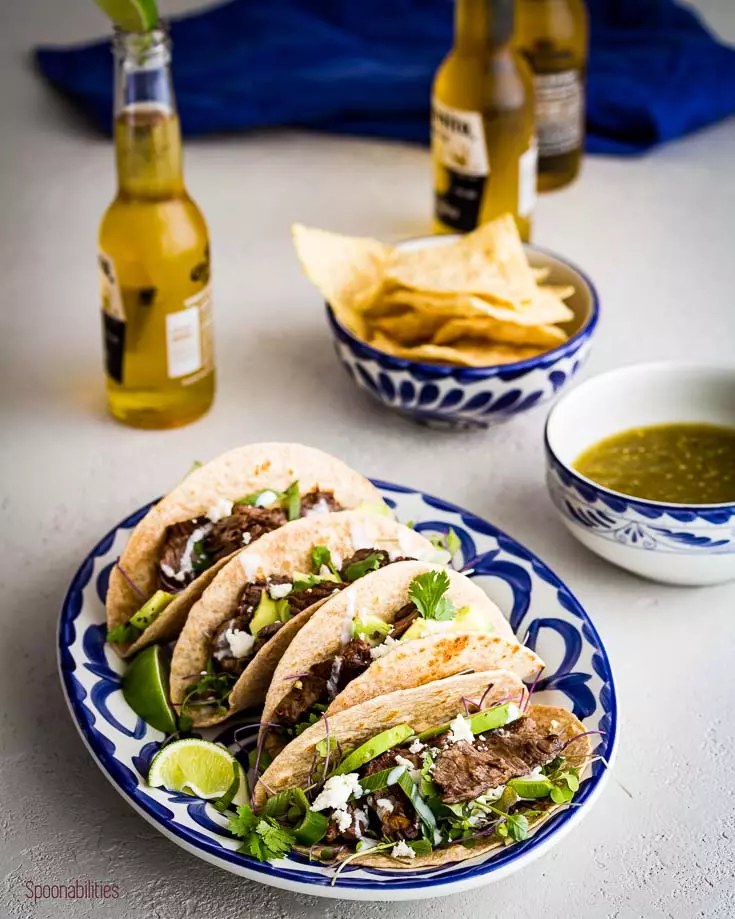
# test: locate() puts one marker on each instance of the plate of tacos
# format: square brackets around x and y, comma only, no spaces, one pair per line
[336,686]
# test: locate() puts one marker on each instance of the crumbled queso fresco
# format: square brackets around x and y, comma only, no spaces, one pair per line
[241,643]
[401,850]
[337,791]
[279,591]
[220,509]
[385,648]
[460,729]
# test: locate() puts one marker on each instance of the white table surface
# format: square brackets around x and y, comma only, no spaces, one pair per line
[656,235]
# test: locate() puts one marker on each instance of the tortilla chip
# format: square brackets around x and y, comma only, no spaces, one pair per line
[490,261]
[463,353]
[347,270]
[495,330]
[406,325]
[544,308]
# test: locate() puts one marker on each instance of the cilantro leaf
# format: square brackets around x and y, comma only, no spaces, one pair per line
[426,592]
[277,840]
[242,823]
[321,556]
[357,570]
[517,825]
[124,634]
[420,846]
[263,837]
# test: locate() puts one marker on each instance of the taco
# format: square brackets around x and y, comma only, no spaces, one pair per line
[399,627]
[238,630]
[419,777]
[181,543]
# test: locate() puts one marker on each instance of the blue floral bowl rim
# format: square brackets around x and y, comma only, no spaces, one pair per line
[569,347]
[631,500]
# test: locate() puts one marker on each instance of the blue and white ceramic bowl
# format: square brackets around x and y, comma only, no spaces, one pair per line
[541,610]
[447,396]
[673,543]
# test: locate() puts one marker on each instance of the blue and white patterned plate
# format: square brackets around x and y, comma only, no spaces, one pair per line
[542,612]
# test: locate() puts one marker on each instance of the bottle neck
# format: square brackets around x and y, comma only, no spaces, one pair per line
[147,131]
[484,26]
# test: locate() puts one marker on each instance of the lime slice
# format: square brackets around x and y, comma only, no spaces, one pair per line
[197,767]
[131,15]
[145,688]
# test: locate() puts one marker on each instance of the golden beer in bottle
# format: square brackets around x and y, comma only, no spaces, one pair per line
[482,123]
[552,34]
[153,253]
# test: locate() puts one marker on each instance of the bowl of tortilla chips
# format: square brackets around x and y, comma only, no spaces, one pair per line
[453,331]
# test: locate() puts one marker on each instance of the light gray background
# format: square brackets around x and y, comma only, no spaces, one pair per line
[656,235]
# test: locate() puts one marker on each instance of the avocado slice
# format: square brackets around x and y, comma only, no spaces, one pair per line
[372,748]
[268,612]
[151,610]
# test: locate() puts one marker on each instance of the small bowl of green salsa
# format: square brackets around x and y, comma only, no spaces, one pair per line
[641,469]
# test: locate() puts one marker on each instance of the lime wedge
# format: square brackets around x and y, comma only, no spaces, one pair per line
[197,767]
[131,15]
[145,688]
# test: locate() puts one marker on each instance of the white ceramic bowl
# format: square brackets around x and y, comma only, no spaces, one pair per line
[673,543]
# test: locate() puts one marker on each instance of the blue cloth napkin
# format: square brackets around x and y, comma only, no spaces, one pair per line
[366,68]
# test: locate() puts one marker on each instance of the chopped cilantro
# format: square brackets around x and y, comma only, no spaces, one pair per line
[263,837]
[426,592]
[357,570]
[322,557]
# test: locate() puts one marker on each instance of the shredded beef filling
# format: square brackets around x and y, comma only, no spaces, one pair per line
[244,525]
[318,502]
[323,681]
[396,819]
[299,600]
[404,617]
[464,771]
[174,546]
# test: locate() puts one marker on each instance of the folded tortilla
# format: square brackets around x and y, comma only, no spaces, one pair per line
[422,708]
[381,595]
[284,553]
[232,475]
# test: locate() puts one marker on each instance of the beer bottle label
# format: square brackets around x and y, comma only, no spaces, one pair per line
[559,112]
[189,338]
[458,147]
[113,318]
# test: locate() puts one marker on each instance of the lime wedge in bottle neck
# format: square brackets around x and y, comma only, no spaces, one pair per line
[131,15]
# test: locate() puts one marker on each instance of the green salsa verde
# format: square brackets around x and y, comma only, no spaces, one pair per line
[673,463]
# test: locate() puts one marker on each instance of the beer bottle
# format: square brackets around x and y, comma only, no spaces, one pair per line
[552,34]
[482,133]
[153,253]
